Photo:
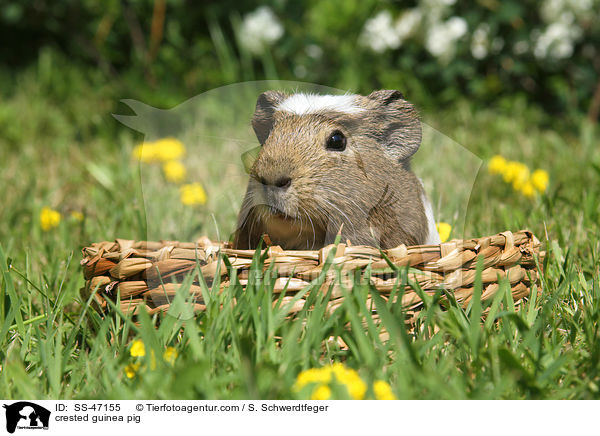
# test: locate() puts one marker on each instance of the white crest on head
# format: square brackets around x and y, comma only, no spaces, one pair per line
[302,104]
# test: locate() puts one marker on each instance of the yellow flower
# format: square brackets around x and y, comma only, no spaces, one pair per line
[76,215]
[170,355]
[521,179]
[350,378]
[540,179]
[510,170]
[323,376]
[313,375]
[169,149]
[497,165]
[444,230]
[192,194]
[49,218]
[383,391]
[174,171]
[131,370]
[528,190]
[146,152]
[515,172]
[137,349]
[323,392]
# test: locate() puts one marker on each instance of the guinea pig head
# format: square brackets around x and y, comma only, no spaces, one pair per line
[328,163]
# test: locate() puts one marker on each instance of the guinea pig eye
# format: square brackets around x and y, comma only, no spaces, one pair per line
[336,141]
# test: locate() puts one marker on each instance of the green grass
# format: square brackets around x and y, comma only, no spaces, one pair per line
[53,346]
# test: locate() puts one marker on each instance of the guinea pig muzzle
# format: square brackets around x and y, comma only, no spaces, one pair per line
[273,200]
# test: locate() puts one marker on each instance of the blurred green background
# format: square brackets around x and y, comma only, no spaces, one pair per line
[435,51]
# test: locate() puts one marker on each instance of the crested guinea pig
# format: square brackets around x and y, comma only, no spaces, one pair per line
[335,163]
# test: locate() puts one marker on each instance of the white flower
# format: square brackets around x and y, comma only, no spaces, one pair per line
[562,50]
[497,44]
[300,71]
[479,41]
[557,40]
[435,9]
[408,23]
[441,38]
[552,10]
[380,34]
[457,27]
[520,47]
[260,29]
[314,51]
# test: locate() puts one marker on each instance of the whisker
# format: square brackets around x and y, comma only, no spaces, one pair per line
[312,226]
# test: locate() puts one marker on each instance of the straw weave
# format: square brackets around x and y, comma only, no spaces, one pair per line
[144,275]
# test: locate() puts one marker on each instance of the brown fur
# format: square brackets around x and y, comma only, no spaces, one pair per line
[368,191]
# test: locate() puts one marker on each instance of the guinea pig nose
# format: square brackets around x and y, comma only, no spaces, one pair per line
[283,182]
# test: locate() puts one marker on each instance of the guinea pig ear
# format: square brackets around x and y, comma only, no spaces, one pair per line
[385,96]
[263,119]
[398,124]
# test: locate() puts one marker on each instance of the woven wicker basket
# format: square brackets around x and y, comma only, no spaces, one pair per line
[145,275]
